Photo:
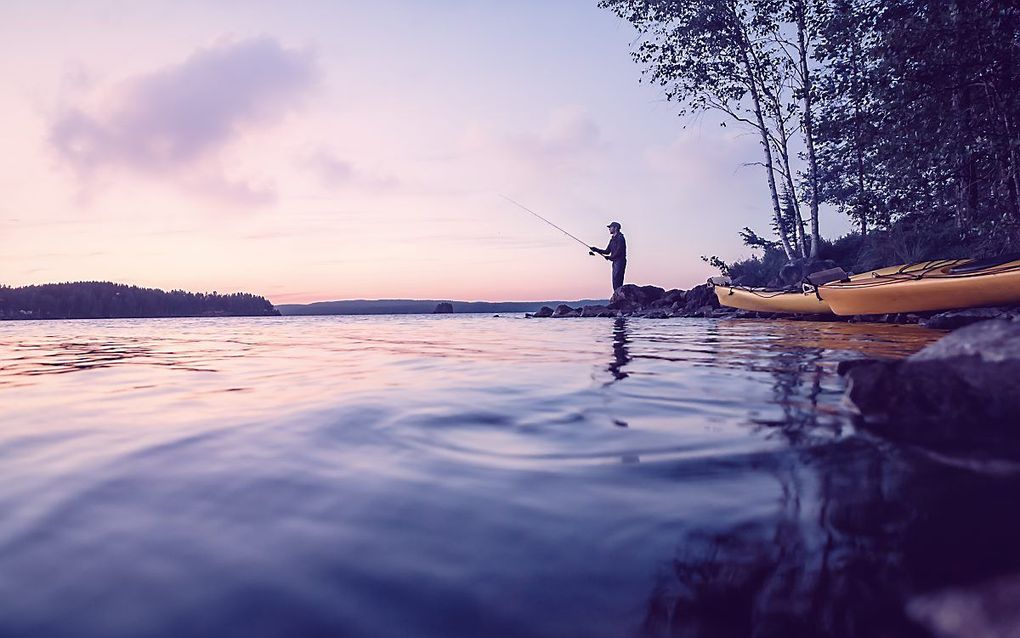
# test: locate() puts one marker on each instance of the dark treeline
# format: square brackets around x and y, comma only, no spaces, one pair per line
[101,300]
[902,114]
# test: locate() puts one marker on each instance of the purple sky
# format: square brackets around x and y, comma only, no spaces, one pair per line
[324,150]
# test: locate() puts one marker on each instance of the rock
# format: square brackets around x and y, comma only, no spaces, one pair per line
[656,314]
[984,609]
[632,297]
[597,311]
[698,297]
[544,311]
[959,318]
[443,308]
[563,310]
[964,387]
[670,299]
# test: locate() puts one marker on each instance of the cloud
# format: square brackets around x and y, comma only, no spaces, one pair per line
[171,121]
[567,132]
[568,143]
[334,171]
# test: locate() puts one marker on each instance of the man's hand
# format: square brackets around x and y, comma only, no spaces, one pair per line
[594,249]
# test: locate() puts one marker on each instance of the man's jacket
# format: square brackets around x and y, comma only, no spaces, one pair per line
[617,248]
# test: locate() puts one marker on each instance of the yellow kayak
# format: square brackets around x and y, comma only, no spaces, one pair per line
[934,285]
[764,300]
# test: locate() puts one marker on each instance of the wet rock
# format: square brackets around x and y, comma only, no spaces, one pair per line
[597,311]
[954,319]
[987,609]
[964,387]
[443,308]
[631,297]
[544,311]
[656,314]
[563,310]
[670,298]
[697,298]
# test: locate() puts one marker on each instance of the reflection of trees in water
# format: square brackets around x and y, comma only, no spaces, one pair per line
[797,383]
[824,565]
[858,528]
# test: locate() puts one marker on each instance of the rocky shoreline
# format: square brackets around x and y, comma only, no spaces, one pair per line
[963,391]
[653,302]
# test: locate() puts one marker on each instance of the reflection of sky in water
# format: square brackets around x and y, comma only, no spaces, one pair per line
[458,476]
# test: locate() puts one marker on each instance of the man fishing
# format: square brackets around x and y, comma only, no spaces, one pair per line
[615,252]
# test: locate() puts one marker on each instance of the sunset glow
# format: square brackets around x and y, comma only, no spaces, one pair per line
[326,150]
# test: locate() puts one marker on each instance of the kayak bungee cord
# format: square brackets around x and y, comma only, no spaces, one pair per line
[520,205]
[933,269]
[930,271]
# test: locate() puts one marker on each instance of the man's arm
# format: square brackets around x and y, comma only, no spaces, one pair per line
[599,250]
[615,249]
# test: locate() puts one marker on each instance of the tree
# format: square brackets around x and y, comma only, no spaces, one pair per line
[737,57]
[713,54]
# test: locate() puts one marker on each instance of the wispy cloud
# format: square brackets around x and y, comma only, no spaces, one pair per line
[172,121]
[567,132]
[335,171]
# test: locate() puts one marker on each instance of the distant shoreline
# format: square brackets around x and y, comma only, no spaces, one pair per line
[417,306]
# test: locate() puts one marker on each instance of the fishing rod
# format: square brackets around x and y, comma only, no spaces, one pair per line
[520,205]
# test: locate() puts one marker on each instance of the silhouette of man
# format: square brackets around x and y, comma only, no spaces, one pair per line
[615,252]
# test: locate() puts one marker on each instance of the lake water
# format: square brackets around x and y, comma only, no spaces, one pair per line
[469,476]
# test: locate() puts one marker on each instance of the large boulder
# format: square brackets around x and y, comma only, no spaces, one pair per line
[698,298]
[964,387]
[597,311]
[669,298]
[543,312]
[633,297]
[443,308]
[563,310]
[954,319]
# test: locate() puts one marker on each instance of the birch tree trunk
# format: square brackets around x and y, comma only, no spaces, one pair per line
[743,46]
[809,136]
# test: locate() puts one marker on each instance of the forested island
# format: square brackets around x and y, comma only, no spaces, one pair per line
[105,300]
[902,114]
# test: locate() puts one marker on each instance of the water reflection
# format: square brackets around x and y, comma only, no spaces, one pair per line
[621,354]
[859,523]
[458,476]
[621,357]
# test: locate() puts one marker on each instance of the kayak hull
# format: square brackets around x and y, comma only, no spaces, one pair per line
[759,300]
[916,289]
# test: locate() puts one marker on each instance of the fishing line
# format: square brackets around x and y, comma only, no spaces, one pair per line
[522,206]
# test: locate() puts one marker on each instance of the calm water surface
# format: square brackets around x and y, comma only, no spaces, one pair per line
[468,476]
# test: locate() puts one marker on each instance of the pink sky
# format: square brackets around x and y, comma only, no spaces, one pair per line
[325,150]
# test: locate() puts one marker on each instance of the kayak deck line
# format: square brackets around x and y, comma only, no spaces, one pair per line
[942,284]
